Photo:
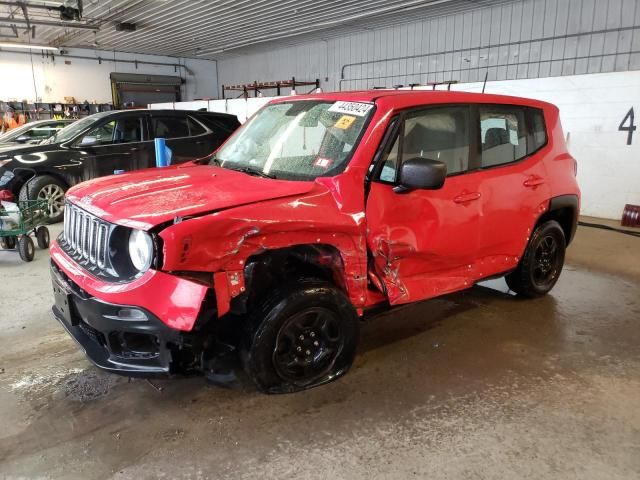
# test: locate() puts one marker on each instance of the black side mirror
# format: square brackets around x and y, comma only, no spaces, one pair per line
[23,139]
[421,173]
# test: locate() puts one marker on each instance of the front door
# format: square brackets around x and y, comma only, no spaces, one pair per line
[424,243]
[118,144]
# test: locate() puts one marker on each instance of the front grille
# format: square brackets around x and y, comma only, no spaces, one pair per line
[85,237]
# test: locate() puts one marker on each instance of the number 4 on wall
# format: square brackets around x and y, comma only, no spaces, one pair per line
[628,128]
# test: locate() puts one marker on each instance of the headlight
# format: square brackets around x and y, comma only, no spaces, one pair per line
[140,249]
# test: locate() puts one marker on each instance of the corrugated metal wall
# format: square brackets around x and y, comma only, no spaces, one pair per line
[523,39]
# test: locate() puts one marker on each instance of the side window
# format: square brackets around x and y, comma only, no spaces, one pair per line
[195,128]
[437,133]
[128,130]
[169,127]
[123,130]
[538,130]
[503,134]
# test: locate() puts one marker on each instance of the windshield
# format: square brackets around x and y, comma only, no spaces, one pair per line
[70,132]
[298,140]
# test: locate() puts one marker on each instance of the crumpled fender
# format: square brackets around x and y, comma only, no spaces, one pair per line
[221,242]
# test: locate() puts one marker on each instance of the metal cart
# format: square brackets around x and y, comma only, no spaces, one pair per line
[33,214]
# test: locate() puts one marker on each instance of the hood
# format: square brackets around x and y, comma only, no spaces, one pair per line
[25,153]
[147,198]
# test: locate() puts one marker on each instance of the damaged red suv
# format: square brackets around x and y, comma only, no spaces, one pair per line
[319,209]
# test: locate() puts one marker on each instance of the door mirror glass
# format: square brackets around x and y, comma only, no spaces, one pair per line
[421,173]
[88,141]
[23,139]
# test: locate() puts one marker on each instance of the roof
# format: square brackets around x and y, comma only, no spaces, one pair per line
[419,97]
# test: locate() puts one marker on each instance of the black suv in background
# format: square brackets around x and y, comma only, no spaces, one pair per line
[104,143]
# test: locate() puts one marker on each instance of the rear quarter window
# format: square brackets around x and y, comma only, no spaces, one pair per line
[509,133]
[538,130]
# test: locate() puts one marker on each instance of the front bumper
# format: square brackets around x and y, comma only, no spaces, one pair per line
[138,344]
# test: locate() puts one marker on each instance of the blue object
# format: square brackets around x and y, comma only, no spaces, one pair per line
[163,153]
[118,172]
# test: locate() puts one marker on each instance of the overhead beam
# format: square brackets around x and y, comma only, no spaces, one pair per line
[49,23]
[31,5]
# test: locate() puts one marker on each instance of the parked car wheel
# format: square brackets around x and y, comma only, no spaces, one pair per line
[541,264]
[8,243]
[26,249]
[48,188]
[42,236]
[301,337]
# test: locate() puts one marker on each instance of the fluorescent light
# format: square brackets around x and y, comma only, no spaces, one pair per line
[29,46]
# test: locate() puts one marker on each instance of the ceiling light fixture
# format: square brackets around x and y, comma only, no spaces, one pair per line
[29,46]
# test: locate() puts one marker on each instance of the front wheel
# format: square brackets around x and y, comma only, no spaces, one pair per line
[46,187]
[302,337]
[542,262]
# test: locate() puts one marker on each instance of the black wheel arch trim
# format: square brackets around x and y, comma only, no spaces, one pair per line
[567,201]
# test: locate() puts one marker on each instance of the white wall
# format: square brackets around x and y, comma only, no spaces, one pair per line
[89,80]
[508,41]
[591,109]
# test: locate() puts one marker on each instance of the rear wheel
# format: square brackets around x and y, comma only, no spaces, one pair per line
[303,336]
[542,262]
[26,249]
[47,188]
[8,243]
[42,236]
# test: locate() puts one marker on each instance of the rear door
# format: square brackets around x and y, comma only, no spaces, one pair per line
[186,137]
[512,182]
[424,242]
[118,143]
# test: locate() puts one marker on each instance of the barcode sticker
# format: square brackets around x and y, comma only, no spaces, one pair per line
[351,108]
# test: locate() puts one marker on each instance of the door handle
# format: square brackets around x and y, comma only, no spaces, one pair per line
[467,197]
[533,181]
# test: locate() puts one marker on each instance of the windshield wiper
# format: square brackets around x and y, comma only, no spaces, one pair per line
[253,171]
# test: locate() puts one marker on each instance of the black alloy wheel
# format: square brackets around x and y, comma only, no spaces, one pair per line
[542,261]
[307,345]
[301,335]
[547,262]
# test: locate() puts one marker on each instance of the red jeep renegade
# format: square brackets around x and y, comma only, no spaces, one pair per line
[319,208]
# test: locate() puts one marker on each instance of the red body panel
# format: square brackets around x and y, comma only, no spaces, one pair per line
[174,300]
[423,243]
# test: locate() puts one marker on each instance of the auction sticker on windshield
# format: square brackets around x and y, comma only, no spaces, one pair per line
[345,122]
[351,108]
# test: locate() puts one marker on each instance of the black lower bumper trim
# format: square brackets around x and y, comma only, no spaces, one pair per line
[138,345]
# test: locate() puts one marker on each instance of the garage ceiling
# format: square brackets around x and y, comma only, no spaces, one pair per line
[210,29]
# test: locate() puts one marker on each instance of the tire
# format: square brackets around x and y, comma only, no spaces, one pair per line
[8,243]
[42,237]
[303,336]
[46,187]
[542,262]
[26,249]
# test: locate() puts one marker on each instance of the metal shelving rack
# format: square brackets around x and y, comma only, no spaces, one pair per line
[48,110]
[258,87]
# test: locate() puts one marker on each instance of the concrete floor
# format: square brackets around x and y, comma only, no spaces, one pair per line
[478,384]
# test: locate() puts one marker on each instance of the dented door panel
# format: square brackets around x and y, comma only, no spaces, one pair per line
[424,242]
